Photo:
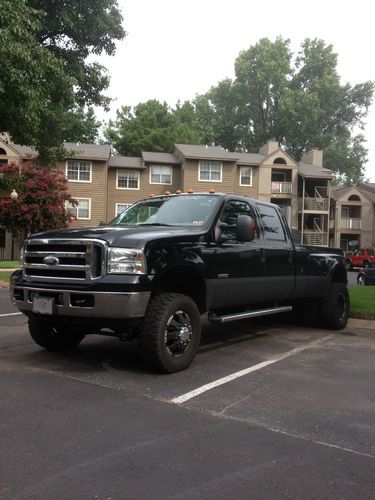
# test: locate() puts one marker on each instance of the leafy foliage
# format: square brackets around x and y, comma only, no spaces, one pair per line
[152,126]
[299,100]
[42,195]
[44,49]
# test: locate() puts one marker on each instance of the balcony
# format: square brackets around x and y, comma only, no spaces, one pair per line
[315,238]
[315,204]
[350,224]
[281,187]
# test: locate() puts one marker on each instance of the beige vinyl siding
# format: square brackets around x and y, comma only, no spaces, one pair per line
[250,191]
[96,190]
[130,196]
[191,181]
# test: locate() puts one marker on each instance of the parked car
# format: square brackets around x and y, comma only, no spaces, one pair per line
[367,277]
[151,272]
[360,258]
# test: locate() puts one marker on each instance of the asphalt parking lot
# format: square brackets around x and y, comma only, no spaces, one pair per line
[267,410]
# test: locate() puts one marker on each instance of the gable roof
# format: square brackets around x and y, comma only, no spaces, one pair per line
[155,157]
[250,158]
[199,151]
[89,151]
[313,171]
[126,162]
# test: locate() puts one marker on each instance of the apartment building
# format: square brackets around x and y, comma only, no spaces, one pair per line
[352,217]
[105,184]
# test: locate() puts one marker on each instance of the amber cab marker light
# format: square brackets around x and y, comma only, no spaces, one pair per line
[151,195]
[190,191]
[211,191]
[178,191]
[167,193]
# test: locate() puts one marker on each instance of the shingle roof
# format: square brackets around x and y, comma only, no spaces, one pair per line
[89,151]
[24,151]
[168,158]
[126,162]
[206,152]
[308,170]
[368,189]
[250,158]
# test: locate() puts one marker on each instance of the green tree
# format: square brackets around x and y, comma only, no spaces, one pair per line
[298,99]
[80,125]
[44,49]
[151,126]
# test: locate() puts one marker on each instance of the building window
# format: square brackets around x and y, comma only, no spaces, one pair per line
[246,176]
[120,207]
[78,171]
[160,174]
[82,210]
[210,171]
[127,179]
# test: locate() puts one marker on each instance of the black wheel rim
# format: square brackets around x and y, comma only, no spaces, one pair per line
[178,332]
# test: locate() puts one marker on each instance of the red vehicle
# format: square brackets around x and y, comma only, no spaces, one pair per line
[360,258]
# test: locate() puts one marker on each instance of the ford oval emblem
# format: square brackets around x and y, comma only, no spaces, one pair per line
[51,260]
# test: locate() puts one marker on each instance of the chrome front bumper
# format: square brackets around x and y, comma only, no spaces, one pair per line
[111,305]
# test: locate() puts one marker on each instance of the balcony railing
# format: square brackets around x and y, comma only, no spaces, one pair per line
[317,238]
[281,187]
[317,204]
[350,224]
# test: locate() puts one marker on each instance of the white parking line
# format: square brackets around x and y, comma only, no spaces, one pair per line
[9,314]
[207,387]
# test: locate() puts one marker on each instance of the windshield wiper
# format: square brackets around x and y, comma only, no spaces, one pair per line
[153,224]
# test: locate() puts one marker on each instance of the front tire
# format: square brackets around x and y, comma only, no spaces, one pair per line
[53,337]
[170,332]
[334,308]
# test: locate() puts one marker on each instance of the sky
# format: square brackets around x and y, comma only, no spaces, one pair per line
[175,49]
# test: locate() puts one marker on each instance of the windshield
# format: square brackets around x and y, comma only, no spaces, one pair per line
[190,210]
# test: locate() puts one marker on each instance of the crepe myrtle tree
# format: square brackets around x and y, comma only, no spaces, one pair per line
[33,199]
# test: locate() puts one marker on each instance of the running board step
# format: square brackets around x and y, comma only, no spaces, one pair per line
[249,314]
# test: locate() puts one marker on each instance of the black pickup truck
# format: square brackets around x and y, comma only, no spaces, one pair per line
[156,268]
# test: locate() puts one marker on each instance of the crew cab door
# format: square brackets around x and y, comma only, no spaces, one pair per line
[235,271]
[278,255]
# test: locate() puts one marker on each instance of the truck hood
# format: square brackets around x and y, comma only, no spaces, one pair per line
[132,237]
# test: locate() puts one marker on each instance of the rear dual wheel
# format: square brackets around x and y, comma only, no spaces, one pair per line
[334,308]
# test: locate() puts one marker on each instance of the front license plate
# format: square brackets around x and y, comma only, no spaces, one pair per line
[43,305]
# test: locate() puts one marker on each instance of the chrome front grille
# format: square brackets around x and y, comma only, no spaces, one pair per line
[65,260]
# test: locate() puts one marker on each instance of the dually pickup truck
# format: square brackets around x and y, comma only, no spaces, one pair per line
[153,271]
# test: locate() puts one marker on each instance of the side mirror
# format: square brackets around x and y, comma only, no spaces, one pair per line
[245,228]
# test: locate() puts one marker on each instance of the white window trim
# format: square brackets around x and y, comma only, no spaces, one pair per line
[209,180]
[117,204]
[161,183]
[251,177]
[127,188]
[77,180]
[82,218]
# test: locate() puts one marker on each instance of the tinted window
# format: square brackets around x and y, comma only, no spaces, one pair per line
[273,228]
[228,217]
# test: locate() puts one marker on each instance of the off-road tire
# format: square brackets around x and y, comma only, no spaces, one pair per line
[334,308]
[165,312]
[53,337]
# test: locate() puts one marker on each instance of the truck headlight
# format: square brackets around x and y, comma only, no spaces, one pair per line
[126,261]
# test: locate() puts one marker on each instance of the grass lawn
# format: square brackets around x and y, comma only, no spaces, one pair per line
[362,302]
[9,264]
[4,276]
